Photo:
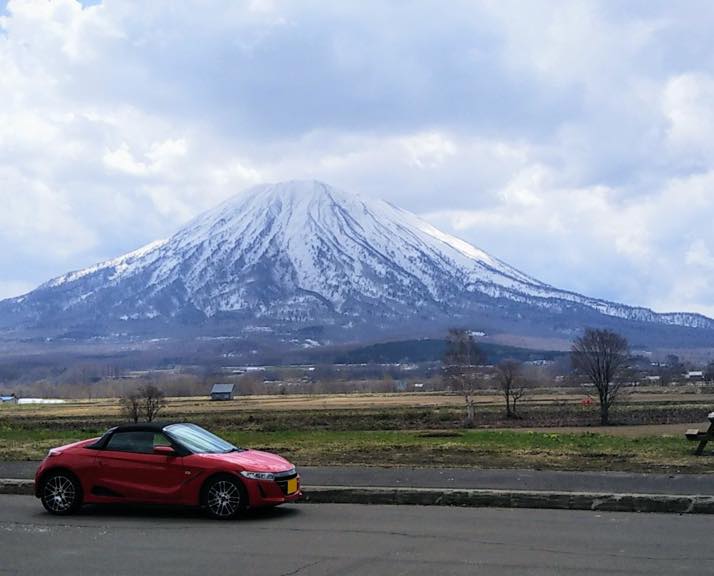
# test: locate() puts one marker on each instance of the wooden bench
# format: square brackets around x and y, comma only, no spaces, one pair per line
[702,437]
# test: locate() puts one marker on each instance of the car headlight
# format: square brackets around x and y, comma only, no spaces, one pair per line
[258,475]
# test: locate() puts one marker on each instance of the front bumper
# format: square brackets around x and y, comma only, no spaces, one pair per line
[271,492]
[38,474]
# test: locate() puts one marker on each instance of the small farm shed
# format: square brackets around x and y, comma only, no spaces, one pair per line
[222,392]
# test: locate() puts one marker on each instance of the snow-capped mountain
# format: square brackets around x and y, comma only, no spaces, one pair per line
[303,253]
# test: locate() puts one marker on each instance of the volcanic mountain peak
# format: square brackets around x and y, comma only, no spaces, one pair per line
[305,253]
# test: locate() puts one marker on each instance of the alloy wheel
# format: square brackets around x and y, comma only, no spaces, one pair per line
[59,494]
[223,499]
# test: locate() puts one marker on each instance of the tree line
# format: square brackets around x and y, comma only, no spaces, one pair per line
[601,356]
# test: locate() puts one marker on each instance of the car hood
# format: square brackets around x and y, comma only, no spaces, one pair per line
[252,460]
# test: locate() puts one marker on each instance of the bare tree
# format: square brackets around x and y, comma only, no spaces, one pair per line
[460,368]
[152,401]
[512,383]
[709,372]
[603,356]
[131,406]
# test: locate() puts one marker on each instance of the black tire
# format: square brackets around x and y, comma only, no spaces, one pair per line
[61,493]
[224,497]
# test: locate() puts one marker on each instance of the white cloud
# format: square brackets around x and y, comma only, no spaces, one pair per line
[31,209]
[699,255]
[11,288]
[162,158]
[653,248]
[429,150]
[121,159]
[574,140]
[687,104]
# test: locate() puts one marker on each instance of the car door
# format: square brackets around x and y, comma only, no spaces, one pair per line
[128,468]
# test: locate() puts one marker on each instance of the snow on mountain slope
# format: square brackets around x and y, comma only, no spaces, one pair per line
[303,251]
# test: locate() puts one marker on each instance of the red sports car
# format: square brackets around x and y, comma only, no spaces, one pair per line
[169,464]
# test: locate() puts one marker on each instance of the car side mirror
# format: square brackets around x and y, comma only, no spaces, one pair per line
[164,451]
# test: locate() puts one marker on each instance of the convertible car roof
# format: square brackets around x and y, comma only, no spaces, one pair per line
[142,427]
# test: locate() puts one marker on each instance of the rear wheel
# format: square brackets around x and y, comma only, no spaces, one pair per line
[224,497]
[61,493]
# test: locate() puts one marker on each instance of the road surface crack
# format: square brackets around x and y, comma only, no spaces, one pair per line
[301,568]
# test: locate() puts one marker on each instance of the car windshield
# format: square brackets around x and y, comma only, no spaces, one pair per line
[198,440]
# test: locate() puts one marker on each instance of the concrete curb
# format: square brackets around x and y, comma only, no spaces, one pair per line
[17,486]
[663,503]
[666,503]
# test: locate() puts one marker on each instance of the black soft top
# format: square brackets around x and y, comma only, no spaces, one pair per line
[140,427]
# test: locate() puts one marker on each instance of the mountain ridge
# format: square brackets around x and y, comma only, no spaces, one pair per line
[302,252]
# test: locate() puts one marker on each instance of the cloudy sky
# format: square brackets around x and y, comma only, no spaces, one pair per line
[574,140]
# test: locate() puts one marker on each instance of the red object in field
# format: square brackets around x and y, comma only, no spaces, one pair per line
[179,464]
[587,401]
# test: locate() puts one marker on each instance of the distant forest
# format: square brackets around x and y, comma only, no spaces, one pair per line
[432,350]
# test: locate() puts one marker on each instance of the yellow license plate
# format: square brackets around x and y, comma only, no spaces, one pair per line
[292,486]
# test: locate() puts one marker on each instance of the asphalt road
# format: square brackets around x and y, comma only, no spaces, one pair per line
[311,539]
[545,480]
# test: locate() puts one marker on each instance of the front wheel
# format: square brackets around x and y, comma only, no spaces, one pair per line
[224,497]
[61,494]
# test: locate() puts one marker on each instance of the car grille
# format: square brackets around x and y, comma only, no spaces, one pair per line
[282,481]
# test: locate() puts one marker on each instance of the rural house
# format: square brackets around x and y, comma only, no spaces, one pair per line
[222,392]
